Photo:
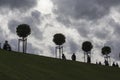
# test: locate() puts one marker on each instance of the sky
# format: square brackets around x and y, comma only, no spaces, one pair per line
[96,21]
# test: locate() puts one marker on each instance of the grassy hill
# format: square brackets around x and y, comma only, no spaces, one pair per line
[18,66]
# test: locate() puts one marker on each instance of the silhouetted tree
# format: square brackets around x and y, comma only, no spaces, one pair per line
[23,30]
[86,47]
[73,57]
[105,51]
[59,39]
[6,46]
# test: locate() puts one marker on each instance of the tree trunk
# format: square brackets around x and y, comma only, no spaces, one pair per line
[107,57]
[90,56]
[59,51]
[18,45]
[23,45]
[56,52]
[62,49]
[84,56]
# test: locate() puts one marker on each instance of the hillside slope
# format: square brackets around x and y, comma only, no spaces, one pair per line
[18,66]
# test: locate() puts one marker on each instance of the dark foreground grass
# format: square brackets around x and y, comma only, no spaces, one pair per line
[18,66]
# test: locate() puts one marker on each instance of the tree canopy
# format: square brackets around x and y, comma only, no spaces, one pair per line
[106,50]
[23,30]
[87,46]
[59,39]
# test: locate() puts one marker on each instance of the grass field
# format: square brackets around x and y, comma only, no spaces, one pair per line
[19,66]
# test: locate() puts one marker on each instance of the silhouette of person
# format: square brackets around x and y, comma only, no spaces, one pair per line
[116,65]
[6,46]
[63,57]
[88,59]
[96,62]
[106,63]
[100,63]
[113,64]
[73,57]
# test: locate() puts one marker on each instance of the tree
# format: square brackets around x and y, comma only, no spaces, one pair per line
[105,51]
[86,47]
[59,39]
[23,30]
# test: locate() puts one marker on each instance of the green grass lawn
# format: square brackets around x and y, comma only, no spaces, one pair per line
[19,66]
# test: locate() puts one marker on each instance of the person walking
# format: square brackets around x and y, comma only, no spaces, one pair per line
[63,57]
[73,57]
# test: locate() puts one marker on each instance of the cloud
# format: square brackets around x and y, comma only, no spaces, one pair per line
[18,4]
[83,29]
[12,25]
[102,34]
[77,9]
[73,47]
[1,35]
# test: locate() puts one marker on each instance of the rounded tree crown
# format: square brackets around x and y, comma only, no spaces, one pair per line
[59,39]
[87,46]
[23,30]
[106,50]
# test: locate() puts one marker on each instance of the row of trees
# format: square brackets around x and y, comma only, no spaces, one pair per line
[23,30]
[59,40]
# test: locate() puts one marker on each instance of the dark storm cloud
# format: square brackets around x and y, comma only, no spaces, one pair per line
[12,25]
[86,9]
[64,20]
[36,14]
[116,28]
[83,29]
[73,46]
[18,4]
[101,34]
